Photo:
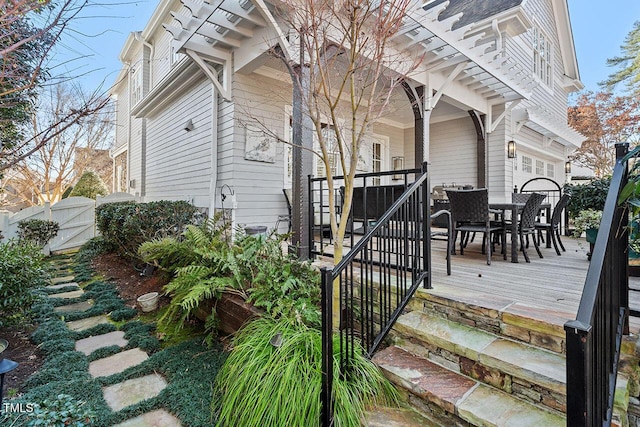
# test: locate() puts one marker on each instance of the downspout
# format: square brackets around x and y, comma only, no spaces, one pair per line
[213,182]
[138,36]
[128,64]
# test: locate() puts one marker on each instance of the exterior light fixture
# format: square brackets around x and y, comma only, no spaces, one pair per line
[188,126]
[567,168]
[511,149]
[398,164]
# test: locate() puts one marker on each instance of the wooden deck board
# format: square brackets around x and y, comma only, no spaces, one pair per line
[553,282]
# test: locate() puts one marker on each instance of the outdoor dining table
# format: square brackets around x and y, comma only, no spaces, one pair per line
[514,208]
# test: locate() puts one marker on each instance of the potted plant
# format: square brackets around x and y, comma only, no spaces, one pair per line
[588,222]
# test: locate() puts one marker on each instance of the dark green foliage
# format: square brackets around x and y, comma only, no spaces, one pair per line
[89,185]
[123,314]
[205,265]
[37,231]
[126,225]
[61,411]
[67,192]
[587,196]
[22,269]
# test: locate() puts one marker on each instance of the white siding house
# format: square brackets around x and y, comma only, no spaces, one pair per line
[199,74]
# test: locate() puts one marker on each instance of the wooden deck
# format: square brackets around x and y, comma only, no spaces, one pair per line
[553,282]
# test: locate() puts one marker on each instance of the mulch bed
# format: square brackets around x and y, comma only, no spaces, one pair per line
[20,350]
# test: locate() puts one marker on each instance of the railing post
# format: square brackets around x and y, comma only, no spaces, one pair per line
[579,360]
[622,149]
[326,396]
[426,228]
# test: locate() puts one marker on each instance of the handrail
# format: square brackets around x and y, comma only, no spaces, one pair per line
[375,280]
[593,339]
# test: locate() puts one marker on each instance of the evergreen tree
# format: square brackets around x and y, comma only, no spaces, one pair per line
[628,63]
[89,185]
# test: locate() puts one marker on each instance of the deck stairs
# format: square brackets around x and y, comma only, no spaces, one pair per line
[462,359]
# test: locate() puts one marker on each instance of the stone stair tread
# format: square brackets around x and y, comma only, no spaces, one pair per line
[130,392]
[470,400]
[90,344]
[539,319]
[520,360]
[157,418]
[117,363]
[396,417]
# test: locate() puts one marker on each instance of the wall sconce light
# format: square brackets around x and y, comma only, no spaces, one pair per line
[188,126]
[397,164]
[567,168]
[511,149]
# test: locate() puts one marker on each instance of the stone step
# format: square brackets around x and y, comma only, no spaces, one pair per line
[63,279]
[501,316]
[87,323]
[454,399]
[90,344]
[130,392]
[63,285]
[68,295]
[117,363]
[530,373]
[157,418]
[78,306]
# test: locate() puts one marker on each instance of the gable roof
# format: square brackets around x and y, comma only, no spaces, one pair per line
[472,10]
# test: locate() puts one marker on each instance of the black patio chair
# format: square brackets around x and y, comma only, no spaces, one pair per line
[526,224]
[470,214]
[446,234]
[553,227]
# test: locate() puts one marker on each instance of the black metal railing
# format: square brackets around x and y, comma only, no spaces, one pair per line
[374,282]
[593,339]
[373,195]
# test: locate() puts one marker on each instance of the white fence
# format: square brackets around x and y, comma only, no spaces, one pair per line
[75,215]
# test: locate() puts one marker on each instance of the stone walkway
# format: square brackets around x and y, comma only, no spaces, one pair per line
[126,393]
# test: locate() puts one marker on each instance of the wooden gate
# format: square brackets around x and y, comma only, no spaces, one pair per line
[75,216]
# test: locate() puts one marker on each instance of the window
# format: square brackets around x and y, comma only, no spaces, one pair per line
[539,167]
[551,170]
[174,56]
[527,164]
[332,151]
[136,86]
[542,54]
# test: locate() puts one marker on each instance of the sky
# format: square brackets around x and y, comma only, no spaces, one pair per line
[92,46]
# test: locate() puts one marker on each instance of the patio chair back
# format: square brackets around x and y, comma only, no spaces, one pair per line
[520,197]
[530,211]
[556,217]
[469,205]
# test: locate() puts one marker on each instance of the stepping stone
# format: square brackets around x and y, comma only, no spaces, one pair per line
[89,322]
[62,285]
[132,391]
[117,363]
[159,417]
[78,306]
[65,279]
[68,295]
[90,344]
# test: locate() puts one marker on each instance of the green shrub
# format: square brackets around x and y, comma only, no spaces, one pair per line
[37,231]
[89,185]
[126,225]
[587,196]
[22,269]
[205,265]
[269,381]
